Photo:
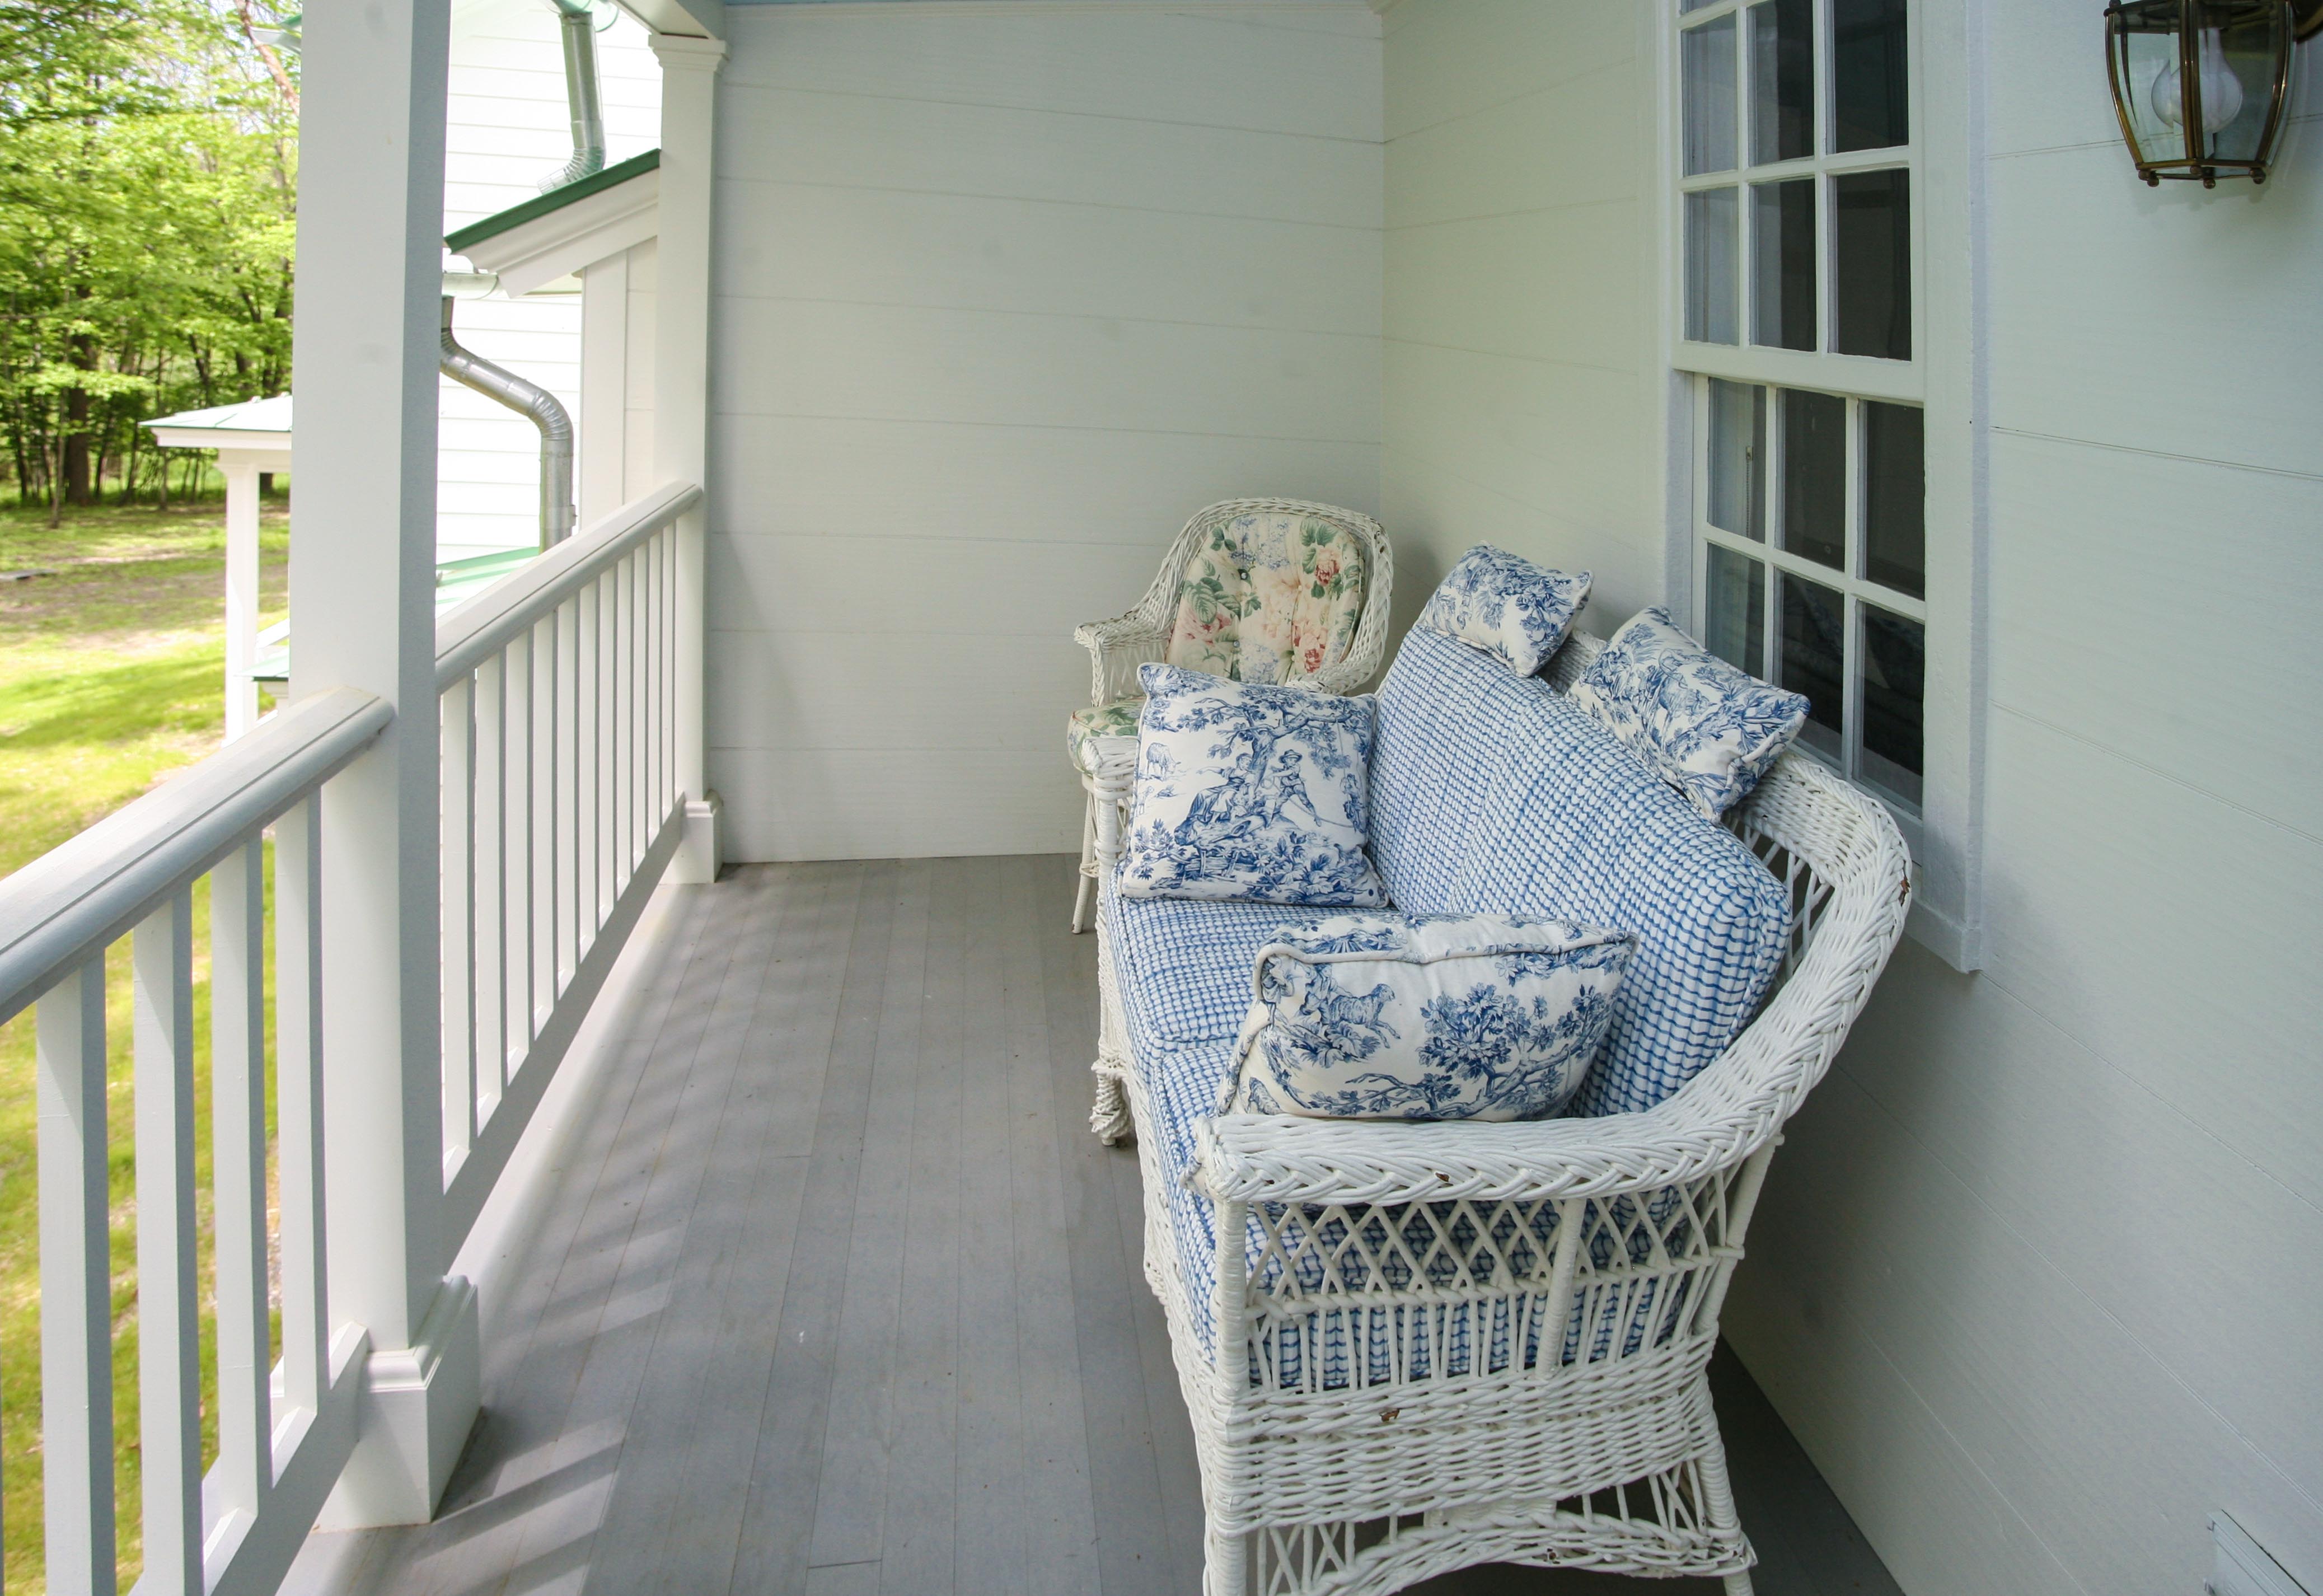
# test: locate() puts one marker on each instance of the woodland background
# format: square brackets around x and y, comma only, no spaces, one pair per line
[148,198]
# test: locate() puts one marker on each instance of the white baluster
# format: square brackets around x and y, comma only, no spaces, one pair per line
[76,1283]
[238,1166]
[168,1379]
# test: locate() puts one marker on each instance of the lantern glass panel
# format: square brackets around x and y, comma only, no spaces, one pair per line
[2240,44]
[2145,66]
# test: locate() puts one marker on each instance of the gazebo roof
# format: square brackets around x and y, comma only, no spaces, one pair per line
[253,424]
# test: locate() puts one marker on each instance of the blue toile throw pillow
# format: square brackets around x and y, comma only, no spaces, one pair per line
[1248,791]
[1507,606]
[1708,727]
[1425,1017]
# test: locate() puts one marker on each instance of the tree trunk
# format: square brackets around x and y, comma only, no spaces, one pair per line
[57,482]
[76,450]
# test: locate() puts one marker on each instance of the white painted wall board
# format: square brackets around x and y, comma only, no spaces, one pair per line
[2196,331]
[1206,68]
[950,252]
[2075,622]
[858,803]
[859,142]
[1489,285]
[1456,61]
[799,584]
[830,691]
[872,479]
[1987,1118]
[2102,868]
[1002,298]
[1029,369]
[1530,153]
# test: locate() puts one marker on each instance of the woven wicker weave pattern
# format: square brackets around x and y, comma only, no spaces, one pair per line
[1467,1343]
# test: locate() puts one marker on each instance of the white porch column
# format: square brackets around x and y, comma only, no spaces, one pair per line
[371,219]
[241,468]
[688,104]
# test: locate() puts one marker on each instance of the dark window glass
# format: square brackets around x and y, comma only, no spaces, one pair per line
[1736,610]
[1782,80]
[1711,314]
[1894,680]
[1870,104]
[1815,659]
[1737,447]
[1783,264]
[1894,498]
[1707,67]
[1814,476]
[1871,264]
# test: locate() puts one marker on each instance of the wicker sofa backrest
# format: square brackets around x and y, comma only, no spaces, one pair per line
[1490,793]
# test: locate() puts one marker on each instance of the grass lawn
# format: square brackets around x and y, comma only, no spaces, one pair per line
[110,679]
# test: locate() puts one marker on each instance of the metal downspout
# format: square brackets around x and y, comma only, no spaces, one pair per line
[578,26]
[537,405]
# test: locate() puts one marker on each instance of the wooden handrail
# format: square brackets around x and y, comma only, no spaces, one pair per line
[483,626]
[68,905]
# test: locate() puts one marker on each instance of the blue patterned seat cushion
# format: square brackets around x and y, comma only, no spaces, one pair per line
[1490,793]
[1206,949]
[1186,963]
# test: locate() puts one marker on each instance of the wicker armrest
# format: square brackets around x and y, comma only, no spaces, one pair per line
[1116,648]
[1283,1158]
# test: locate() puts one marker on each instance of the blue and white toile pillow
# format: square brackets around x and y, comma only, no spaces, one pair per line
[1708,727]
[1249,791]
[1425,1017]
[1506,605]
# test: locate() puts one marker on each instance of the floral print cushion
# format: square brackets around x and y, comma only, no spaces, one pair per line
[1247,791]
[1085,727]
[1425,1017]
[1269,598]
[1506,605]
[1708,728]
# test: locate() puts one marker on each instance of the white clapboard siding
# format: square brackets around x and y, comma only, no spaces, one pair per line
[1003,296]
[509,128]
[2019,1278]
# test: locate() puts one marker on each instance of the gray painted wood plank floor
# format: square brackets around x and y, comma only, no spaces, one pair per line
[833,1292]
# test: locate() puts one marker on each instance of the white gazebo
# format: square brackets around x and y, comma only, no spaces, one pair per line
[250,437]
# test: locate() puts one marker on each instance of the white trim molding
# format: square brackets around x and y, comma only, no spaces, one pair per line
[576,236]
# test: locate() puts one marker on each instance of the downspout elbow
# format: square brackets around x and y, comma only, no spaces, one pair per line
[537,405]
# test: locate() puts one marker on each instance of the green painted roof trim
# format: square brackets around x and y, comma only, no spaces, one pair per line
[554,200]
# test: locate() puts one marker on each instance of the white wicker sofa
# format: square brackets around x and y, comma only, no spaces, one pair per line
[1446,1345]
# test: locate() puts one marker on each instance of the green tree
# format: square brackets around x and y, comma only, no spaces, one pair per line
[148,183]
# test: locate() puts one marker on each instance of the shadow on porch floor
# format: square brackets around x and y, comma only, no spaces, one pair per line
[823,1287]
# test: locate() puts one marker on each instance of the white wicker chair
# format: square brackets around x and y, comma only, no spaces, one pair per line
[1610,1460]
[1118,646]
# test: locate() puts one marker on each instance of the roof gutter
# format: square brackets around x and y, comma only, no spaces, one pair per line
[537,405]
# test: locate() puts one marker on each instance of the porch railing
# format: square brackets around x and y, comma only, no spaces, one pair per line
[281,1441]
[560,808]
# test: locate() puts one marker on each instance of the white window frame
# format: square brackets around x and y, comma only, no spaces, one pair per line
[1945,376]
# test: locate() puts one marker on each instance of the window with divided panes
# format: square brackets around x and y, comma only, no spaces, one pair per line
[1798,262]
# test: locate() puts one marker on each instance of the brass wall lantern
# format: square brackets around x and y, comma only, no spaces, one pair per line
[2200,85]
